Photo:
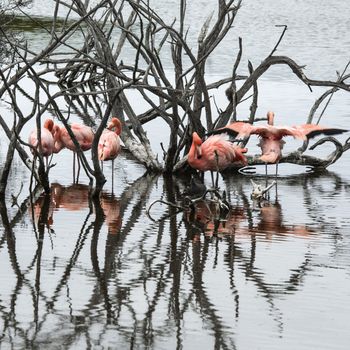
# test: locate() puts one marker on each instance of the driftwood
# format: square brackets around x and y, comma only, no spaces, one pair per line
[258,192]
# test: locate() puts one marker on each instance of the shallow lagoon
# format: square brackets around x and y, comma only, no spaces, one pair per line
[78,274]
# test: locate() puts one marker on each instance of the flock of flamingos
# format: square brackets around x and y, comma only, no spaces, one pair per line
[54,138]
[217,152]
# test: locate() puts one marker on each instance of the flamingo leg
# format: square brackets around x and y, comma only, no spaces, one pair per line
[266,182]
[276,194]
[276,169]
[32,177]
[73,167]
[212,178]
[217,170]
[78,168]
[112,175]
[51,159]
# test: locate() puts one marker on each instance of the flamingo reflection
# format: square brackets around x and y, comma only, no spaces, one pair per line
[75,198]
[111,208]
[271,222]
[42,211]
[71,198]
[204,219]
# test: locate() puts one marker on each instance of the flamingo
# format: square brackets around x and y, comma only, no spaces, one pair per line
[216,153]
[83,134]
[271,136]
[109,143]
[47,140]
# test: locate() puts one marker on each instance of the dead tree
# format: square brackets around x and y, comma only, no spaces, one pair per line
[95,79]
[181,101]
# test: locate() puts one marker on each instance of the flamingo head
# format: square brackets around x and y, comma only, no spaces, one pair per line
[196,143]
[49,124]
[115,123]
[270,117]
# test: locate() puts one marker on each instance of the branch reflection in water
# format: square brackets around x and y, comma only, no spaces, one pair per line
[119,274]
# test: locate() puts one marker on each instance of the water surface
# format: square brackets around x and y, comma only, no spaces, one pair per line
[273,275]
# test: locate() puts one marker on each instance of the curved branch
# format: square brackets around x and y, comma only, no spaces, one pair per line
[299,158]
[333,157]
[323,97]
[297,70]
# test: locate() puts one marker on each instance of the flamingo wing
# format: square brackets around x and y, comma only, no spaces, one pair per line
[240,129]
[276,132]
[312,130]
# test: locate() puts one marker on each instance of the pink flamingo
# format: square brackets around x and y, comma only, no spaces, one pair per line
[271,136]
[216,153]
[47,140]
[109,143]
[83,134]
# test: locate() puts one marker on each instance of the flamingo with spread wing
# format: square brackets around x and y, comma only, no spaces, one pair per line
[271,136]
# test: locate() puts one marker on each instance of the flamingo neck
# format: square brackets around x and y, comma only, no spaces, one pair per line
[270,118]
[195,151]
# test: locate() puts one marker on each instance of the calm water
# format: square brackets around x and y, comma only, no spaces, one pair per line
[75,274]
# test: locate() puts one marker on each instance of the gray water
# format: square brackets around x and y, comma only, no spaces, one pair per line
[316,37]
[76,274]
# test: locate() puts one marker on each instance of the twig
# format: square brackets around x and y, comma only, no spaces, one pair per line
[341,79]
[15,197]
[163,202]
[285,27]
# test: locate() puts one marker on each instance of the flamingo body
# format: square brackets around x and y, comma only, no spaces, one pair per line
[108,145]
[271,149]
[215,153]
[82,133]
